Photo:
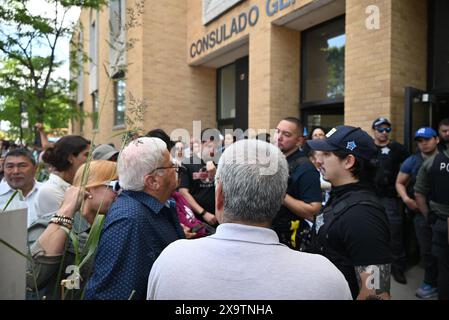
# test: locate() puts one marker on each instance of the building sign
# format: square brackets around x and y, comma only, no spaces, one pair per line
[214,8]
[225,31]
[238,24]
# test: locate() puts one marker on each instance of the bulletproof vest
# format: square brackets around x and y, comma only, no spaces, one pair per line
[331,214]
[439,176]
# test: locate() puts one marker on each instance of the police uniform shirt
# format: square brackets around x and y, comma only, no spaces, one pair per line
[361,235]
[304,184]
[432,182]
[390,158]
[411,167]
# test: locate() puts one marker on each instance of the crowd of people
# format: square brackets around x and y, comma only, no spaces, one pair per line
[225,217]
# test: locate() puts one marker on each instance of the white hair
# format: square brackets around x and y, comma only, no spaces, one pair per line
[254,177]
[137,159]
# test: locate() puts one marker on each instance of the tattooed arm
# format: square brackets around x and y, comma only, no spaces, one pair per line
[374,282]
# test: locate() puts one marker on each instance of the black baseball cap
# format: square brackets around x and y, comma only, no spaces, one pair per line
[380,121]
[349,139]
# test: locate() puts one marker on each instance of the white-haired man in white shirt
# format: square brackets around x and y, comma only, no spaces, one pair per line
[244,259]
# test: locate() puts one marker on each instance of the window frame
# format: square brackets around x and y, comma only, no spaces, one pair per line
[119,76]
[303,59]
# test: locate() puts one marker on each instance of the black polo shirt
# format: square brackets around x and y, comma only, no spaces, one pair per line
[361,235]
[304,185]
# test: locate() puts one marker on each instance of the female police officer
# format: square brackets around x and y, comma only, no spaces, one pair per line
[352,230]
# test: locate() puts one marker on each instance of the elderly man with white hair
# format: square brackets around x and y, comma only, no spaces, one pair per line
[244,259]
[139,224]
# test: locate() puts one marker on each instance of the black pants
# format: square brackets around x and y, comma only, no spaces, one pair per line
[395,217]
[424,237]
[440,249]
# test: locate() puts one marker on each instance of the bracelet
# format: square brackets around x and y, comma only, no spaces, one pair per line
[62,221]
[202,212]
[63,217]
[67,225]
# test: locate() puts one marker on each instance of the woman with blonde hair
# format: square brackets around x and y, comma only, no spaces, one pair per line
[82,202]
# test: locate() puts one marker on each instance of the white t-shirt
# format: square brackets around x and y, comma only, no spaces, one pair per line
[50,196]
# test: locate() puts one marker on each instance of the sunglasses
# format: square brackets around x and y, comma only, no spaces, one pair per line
[114,185]
[382,130]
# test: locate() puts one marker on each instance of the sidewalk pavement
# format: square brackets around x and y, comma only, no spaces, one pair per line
[415,276]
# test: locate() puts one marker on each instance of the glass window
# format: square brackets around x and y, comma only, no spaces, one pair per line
[227,92]
[95,109]
[325,120]
[81,110]
[119,100]
[323,50]
[93,45]
[117,39]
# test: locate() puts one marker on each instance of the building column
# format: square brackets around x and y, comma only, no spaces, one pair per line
[380,63]
[274,55]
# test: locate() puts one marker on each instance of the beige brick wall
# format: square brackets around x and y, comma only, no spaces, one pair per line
[178,94]
[380,63]
[273,60]
[285,71]
[409,54]
[367,64]
[273,76]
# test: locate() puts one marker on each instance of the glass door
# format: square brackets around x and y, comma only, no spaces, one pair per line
[418,113]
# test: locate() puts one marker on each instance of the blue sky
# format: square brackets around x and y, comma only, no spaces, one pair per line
[42,8]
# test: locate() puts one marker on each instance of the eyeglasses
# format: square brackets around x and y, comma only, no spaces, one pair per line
[114,185]
[178,168]
[382,130]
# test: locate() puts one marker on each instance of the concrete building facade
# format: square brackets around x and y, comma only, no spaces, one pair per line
[247,64]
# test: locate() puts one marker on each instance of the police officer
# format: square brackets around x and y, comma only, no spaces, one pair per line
[390,155]
[443,130]
[431,187]
[303,200]
[352,230]
[427,140]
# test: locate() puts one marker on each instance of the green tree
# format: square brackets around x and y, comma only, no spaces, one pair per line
[28,45]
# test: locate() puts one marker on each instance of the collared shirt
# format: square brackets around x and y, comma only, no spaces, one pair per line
[242,262]
[18,202]
[136,230]
[50,196]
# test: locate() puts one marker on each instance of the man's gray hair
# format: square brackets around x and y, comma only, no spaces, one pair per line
[137,159]
[254,177]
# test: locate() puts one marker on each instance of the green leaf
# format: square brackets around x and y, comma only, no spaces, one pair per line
[10,246]
[10,199]
[93,238]
[74,238]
